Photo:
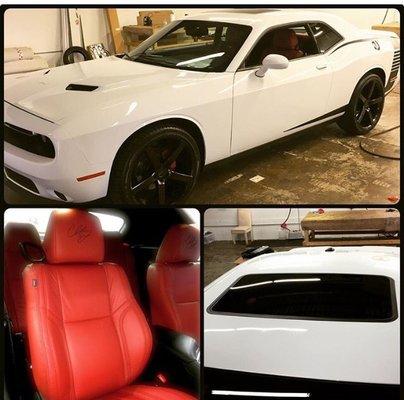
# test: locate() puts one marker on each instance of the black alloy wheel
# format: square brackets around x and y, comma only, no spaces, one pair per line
[366,106]
[160,167]
[369,105]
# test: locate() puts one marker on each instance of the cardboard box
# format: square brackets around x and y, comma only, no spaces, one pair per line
[159,18]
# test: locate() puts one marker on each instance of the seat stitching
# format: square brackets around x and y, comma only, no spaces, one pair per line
[106,273]
[131,301]
[171,296]
[71,376]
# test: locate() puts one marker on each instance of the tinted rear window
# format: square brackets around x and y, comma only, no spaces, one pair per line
[325,36]
[311,296]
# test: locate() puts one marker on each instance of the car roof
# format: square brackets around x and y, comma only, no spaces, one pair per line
[368,260]
[365,260]
[266,17]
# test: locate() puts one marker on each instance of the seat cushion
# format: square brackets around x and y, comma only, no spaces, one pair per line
[119,252]
[174,291]
[145,392]
[173,282]
[87,334]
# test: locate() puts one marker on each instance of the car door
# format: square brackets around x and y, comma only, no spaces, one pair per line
[283,101]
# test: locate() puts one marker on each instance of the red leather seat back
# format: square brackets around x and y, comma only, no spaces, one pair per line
[14,264]
[173,282]
[87,335]
[285,43]
[119,252]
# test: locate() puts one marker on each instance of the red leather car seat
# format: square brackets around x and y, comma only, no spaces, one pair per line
[173,282]
[87,335]
[14,264]
[285,43]
[119,252]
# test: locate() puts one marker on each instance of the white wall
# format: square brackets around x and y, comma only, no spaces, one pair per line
[41,28]
[36,28]
[364,18]
[266,221]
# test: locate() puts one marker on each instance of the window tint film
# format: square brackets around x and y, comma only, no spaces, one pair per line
[319,296]
[197,45]
[292,42]
[325,36]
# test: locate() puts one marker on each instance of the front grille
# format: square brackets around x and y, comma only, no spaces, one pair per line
[29,141]
[21,180]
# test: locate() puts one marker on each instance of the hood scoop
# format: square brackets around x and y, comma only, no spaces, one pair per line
[81,88]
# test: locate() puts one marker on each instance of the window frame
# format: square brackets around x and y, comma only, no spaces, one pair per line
[137,52]
[393,296]
[341,38]
[286,25]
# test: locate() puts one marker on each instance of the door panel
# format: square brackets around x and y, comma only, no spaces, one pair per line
[265,108]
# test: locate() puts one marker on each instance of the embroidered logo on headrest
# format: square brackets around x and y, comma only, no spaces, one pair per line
[190,241]
[80,232]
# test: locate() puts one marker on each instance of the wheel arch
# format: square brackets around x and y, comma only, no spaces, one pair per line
[378,71]
[186,123]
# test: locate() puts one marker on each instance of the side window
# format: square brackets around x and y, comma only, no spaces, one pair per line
[325,36]
[343,297]
[293,42]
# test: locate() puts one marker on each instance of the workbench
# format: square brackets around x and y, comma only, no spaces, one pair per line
[391,27]
[352,227]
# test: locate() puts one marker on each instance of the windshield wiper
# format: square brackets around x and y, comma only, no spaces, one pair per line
[154,59]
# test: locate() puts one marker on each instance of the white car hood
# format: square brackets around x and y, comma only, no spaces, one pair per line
[44,92]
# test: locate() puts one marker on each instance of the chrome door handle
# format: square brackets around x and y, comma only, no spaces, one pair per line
[322,66]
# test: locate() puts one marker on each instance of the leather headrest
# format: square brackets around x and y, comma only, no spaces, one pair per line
[180,244]
[73,236]
[16,233]
[285,39]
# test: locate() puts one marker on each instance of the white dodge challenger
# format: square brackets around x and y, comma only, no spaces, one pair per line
[139,127]
[321,323]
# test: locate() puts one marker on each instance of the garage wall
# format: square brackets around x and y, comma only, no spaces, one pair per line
[266,221]
[364,18]
[41,28]
[36,28]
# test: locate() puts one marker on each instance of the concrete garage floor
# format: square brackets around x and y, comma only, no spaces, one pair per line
[220,257]
[320,166]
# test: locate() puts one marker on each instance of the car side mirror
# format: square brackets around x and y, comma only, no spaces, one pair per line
[272,61]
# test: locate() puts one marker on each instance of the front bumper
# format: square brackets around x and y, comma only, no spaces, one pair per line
[59,174]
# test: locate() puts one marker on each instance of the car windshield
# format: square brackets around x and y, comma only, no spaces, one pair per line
[196,45]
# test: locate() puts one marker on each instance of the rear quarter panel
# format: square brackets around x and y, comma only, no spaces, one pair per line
[351,62]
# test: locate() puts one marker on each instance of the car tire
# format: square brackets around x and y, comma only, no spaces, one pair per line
[366,106]
[136,177]
[71,51]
